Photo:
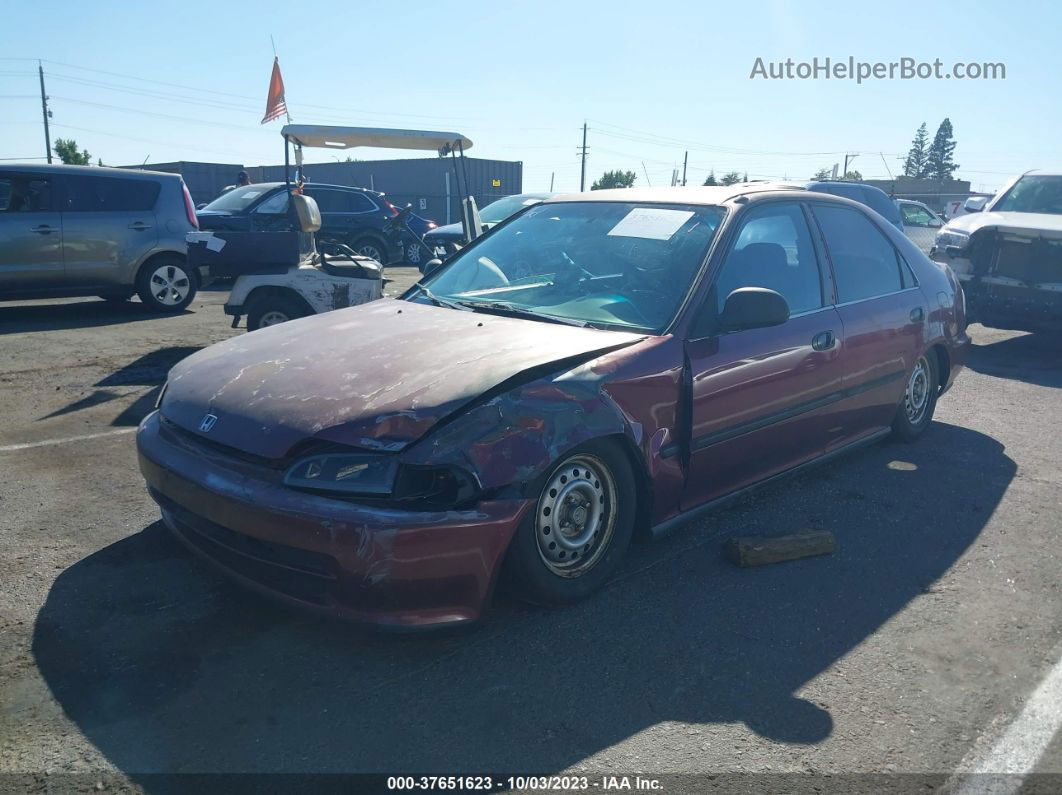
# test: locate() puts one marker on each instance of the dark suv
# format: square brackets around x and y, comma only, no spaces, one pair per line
[355,217]
[86,230]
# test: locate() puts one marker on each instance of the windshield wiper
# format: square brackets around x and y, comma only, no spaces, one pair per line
[505,308]
[441,301]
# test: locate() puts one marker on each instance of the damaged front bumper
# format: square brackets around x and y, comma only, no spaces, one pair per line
[1011,278]
[394,568]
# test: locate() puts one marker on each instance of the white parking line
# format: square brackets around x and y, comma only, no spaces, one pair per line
[7,448]
[1002,769]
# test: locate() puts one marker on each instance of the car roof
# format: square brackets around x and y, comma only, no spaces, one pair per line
[707,195]
[91,171]
[1042,172]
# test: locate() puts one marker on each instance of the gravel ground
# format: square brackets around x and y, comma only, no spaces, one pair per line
[121,656]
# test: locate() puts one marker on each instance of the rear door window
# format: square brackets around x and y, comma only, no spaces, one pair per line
[87,194]
[865,263]
[330,201]
[25,194]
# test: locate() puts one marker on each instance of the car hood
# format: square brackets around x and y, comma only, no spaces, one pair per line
[377,376]
[1038,224]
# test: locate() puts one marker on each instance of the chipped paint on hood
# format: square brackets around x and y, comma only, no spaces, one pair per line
[377,376]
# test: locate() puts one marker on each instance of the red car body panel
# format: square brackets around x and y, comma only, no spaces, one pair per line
[502,399]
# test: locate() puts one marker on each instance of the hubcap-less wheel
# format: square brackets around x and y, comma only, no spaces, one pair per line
[169,285]
[916,398]
[413,254]
[272,318]
[576,516]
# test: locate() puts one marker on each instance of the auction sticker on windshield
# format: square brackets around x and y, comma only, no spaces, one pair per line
[653,223]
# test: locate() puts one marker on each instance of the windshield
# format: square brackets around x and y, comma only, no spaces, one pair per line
[1033,194]
[238,199]
[496,212]
[613,264]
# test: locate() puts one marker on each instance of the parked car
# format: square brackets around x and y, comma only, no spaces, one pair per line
[874,198]
[589,376]
[414,251]
[1008,254]
[919,223]
[355,217]
[445,240]
[84,230]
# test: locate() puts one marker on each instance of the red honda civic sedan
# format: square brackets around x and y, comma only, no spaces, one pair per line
[597,366]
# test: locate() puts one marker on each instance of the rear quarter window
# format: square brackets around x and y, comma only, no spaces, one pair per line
[87,194]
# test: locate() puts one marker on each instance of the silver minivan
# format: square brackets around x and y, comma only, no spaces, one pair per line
[84,230]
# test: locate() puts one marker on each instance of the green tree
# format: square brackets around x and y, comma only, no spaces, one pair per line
[822,173]
[746,177]
[914,165]
[730,178]
[939,164]
[710,179]
[66,150]
[853,176]
[615,179]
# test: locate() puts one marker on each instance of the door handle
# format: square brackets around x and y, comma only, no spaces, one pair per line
[44,229]
[823,341]
[139,226]
[918,314]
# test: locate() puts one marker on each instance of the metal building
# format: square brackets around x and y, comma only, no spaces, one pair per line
[204,180]
[428,183]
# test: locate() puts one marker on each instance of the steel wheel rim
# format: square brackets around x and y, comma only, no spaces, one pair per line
[170,285]
[575,516]
[916,397]
[274,317]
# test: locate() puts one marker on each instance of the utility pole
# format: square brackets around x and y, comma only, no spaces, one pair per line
[46,113]
[685,161]
[582,154]
[552,174]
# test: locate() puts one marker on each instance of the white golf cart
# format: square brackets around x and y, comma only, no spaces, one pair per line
[283,275]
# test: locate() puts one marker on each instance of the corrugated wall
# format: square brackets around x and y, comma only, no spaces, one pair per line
[204,180]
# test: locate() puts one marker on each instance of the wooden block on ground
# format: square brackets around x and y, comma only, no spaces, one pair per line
[761,550]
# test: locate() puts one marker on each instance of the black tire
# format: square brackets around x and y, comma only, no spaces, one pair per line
[527,572]
[167,284]
[267,310]
[370,247]
[915,412]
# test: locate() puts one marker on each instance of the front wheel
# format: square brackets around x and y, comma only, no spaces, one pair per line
[167,284]
[915,411]
[580,527]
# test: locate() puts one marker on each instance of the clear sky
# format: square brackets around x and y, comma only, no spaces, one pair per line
[187,81]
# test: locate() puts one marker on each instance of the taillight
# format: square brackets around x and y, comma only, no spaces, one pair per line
[189,208]
[432,225]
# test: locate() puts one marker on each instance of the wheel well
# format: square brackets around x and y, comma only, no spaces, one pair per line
[375,240]
[642,485]
[268,291]
[943,365]
[160,255]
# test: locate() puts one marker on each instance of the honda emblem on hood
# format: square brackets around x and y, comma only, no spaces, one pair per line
[207,423]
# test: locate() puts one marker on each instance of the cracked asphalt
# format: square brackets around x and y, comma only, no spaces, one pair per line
[903,652]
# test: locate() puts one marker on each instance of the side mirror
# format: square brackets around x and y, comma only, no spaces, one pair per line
[753,307]
[975,204]
[432,265]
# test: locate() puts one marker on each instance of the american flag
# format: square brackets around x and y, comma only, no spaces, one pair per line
[275,104]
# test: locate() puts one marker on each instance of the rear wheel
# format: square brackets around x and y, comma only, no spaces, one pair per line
[915,411]
[272,310]
[166,284]
[579,529]
[368,247]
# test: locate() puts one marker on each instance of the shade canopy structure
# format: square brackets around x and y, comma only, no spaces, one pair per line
[328,137]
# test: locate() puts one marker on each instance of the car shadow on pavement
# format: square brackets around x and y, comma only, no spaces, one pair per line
[147,370]
[1033,358]
[166,667]
[26,317]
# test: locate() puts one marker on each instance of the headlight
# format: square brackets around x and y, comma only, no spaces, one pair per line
[345,473]
[951,239]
